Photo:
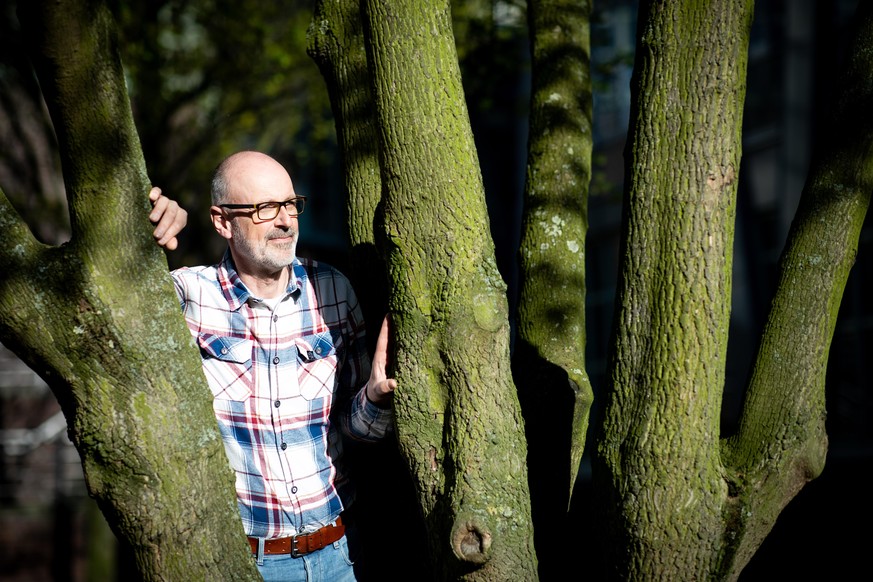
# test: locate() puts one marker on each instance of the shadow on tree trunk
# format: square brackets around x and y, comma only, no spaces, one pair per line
[390,528]
[547,402]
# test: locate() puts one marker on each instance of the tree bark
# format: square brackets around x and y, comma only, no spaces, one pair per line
[686,505]
[781,443]
[336,44]
[662,486]
[458,419]
[130,385]
[549,358]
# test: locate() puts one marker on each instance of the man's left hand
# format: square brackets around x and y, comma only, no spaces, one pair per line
[380,388]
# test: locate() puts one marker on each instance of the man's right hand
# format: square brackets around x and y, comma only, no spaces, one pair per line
[168,217]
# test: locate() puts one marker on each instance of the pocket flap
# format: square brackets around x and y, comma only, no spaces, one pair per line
[315,347]
[228,349]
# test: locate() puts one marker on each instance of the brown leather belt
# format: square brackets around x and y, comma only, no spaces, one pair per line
[304,543]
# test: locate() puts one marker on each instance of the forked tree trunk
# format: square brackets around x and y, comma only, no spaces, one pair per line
[97,318]
[781,442]
[678,502]
[662,483]
[336,44]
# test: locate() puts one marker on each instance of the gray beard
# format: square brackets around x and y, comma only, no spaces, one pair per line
[271,258]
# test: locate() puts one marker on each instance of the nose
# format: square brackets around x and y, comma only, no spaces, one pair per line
[285,215]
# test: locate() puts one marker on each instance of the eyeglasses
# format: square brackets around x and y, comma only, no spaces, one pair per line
[270,210]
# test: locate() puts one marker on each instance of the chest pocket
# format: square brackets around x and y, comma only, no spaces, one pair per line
[317,358]
[227,363]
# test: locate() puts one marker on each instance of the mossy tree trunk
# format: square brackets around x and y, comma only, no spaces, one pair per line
[678,502]
[558,157]
[549,358]
[97,318]
[458,419]
[660,473]
[336,44]
[781,442]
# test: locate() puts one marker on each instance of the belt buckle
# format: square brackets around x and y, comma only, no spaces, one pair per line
[295,551]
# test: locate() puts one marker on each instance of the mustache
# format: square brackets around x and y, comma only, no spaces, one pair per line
[281,233]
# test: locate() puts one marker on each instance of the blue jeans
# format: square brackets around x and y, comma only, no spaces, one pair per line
[329,564]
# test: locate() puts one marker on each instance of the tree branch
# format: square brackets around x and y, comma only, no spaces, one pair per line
[75,53]
[111,341]
[781,442]
[20,256]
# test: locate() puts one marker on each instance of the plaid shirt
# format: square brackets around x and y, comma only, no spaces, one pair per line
[284,384]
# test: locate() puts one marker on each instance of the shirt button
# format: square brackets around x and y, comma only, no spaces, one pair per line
[276,404]
[284,446]
[276,360]
[223,351]
[275,318]
[294,489]
[318,350]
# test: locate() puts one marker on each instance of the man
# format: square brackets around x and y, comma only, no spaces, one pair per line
[284,353]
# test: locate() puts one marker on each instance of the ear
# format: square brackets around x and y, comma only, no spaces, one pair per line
[220,222]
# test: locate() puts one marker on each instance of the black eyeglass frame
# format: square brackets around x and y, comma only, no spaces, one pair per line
[299,203]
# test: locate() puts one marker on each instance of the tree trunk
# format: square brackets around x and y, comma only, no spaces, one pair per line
[549,357]
[781,443]
[130,385]
[685,505]
[336,44]
[458,419]
[662,486]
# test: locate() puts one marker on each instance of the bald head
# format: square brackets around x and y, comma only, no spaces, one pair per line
[261,248]
[247,172]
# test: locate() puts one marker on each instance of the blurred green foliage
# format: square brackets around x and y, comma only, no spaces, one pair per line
[210,77]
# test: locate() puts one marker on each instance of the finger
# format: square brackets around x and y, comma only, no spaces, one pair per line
[172,221]
[382,343]
[381,391]
[163,216]
[159,207]
[154,193]
[170,225]
[386,387]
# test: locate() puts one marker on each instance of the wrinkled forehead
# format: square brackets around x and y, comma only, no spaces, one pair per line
[259,183]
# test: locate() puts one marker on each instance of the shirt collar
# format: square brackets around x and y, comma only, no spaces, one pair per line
[235,291]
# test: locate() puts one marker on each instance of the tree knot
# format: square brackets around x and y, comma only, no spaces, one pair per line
[471,542]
